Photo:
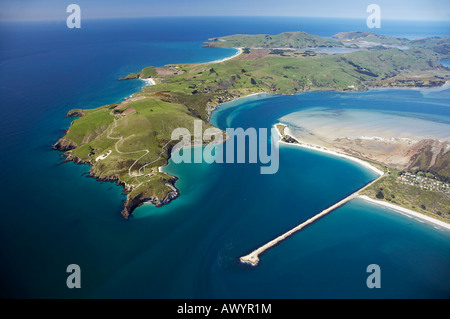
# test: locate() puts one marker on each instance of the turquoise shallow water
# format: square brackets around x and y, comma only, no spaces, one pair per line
[53,215]
[327,259]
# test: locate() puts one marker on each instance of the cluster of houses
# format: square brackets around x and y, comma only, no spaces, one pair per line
[424,182]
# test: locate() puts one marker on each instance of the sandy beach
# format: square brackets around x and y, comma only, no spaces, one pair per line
[149,81]
[226,59]
[328,151]
[251,94]
[408,212]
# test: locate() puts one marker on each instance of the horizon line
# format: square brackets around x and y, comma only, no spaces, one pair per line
[217,16]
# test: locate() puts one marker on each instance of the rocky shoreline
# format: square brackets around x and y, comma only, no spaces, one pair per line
[131,203]
[227,97]
[134,202]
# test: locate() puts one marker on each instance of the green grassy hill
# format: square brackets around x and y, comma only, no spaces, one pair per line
[147,72]
[291,74]
[370,37]
[298,39]
[136,135]
[439,48]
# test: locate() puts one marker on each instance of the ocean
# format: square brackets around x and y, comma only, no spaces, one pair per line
[54,215]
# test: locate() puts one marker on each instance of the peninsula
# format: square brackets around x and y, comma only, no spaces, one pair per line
[128,142]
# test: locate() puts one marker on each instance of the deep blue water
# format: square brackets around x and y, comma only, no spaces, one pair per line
[53,215]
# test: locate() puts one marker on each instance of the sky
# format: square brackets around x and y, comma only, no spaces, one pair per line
[94,9]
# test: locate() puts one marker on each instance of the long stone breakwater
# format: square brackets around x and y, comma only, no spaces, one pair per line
[253,257]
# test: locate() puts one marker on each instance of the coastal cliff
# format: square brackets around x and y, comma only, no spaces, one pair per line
[64,145]
[132,201]
[92,140]
[135,201]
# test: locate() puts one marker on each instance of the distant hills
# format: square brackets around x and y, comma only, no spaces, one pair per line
[297,39]
[440,47]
